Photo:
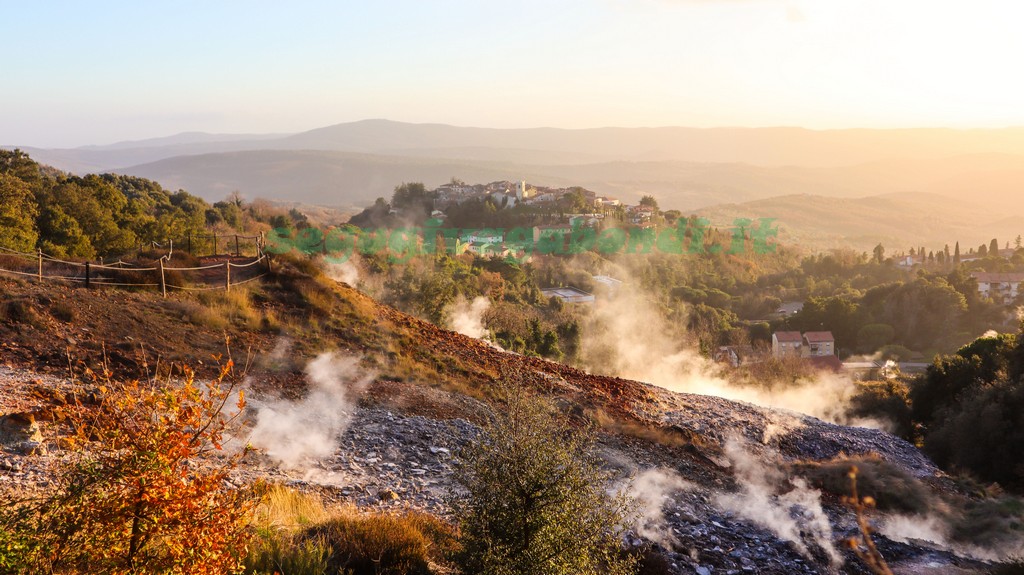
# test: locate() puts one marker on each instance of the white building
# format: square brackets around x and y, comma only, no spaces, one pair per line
[810,344]
[568,294]
[1001,287]
[819,343]
[787,343]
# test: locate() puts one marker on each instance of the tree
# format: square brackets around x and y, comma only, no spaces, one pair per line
[576,201]
[412,198]
[1017,242]
[879,253]
[17,215]
[19,165]
[956,255]
[971,405]
[993,247]
[536,497]
[874,335]
[144,493]
[649,202]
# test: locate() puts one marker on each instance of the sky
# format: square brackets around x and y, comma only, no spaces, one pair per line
[76,73]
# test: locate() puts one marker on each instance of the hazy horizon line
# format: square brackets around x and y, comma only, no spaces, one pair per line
[279,134]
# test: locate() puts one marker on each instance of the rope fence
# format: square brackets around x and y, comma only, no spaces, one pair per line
[161,274]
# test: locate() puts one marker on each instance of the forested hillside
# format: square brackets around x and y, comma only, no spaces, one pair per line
[101,215]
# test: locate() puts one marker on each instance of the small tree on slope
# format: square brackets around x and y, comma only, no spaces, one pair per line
[537,500]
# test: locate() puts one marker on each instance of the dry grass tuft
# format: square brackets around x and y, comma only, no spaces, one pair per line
[298,534]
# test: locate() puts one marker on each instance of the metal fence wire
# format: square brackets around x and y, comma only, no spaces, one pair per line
[224,271]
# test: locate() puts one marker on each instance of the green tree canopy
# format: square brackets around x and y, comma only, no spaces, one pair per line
[17,214]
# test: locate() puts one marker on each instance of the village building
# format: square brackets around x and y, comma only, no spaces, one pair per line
[787,344]
[568,295]
[1001,287]
[809,344]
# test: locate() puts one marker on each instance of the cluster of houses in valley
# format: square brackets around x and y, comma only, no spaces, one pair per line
[507,194]
[1001,287]
[818,348]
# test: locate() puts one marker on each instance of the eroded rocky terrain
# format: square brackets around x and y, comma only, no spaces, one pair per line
[699,482]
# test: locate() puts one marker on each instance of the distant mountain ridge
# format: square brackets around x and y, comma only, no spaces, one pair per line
[979,172]
[782,146]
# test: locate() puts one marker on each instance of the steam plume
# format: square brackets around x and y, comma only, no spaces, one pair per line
[629,337]
[791,516]
[652,489]
[294,432]
[467,318]
[346,272]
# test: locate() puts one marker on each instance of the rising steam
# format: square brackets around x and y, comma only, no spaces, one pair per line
[651,490]
[346,272]
[467,318]
[295,432]
[628,336]
[936,527]
[795,515]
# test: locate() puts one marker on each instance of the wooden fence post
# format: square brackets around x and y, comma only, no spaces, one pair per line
[214,245]
[227,276]
[40,264]
[163,282]
[237,253]
[86,274]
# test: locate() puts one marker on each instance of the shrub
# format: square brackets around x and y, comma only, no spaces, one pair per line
[536,497]
[278,552]
[63,311]
[650,562]
[286,508]
[994,523]
[889,486]
[984,435]
[297,534]
[374,544]
[887,400]
[142,493]
[21,311]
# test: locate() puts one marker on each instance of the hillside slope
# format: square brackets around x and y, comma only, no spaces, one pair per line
[719,456]
[898,221]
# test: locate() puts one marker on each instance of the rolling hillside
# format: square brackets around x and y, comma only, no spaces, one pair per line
[898,221]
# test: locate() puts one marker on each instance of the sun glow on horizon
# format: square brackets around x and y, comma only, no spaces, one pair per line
[233,68]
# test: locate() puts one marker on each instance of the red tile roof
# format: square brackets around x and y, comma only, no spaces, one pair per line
[788,336]
[819,337]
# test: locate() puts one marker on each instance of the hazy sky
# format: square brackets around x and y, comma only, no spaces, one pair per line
[95,72]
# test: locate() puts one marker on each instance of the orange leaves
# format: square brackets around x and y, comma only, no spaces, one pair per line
[142,496]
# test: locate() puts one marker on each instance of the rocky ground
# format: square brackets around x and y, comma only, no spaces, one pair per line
[401,442]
